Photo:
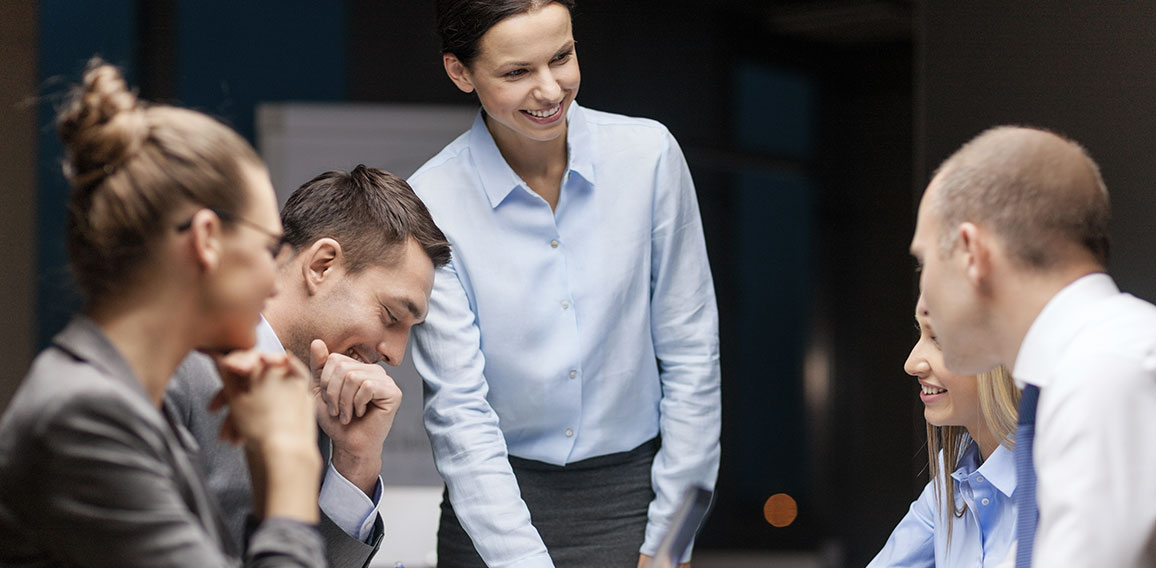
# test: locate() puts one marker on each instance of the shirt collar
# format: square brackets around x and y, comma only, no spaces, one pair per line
[1056,326]
[999,469]
[85,340]
[267,338]
[498,178]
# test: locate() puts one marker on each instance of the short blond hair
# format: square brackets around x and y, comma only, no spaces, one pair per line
[1033,187]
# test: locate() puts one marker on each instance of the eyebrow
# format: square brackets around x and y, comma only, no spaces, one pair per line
[409,306]
[568,47]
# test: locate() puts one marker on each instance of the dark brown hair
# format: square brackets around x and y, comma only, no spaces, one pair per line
[131,166]
[462,23]
[371,212]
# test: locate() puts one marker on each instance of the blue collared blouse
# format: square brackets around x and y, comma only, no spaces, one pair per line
[567,334]
[981,537]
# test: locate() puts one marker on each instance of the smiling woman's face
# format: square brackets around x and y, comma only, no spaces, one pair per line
[948,399]
[526,74]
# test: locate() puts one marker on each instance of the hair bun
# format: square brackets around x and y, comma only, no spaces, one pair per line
[102,126]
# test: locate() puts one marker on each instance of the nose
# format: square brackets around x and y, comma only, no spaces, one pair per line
[392,348]
[548,87]
[916,365]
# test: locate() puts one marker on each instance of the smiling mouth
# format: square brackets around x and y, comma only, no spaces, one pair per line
[353,354]
[546,113]
[932,390]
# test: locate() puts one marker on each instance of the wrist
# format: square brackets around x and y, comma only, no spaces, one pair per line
[285,474]
[360,469]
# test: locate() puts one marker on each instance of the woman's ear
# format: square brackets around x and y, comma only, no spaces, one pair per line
[320,261]
[206,230]
[458,72]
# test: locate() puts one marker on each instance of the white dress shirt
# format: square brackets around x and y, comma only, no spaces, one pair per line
[567,334]
[346,505]
[1092,352]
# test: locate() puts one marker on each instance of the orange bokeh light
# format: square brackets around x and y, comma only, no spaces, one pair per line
[780,510]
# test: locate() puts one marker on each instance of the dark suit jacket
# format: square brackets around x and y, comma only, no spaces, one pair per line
[189,393]
[93,474]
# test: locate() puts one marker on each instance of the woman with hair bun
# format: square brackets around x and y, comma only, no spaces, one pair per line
[172,235]
[570,356]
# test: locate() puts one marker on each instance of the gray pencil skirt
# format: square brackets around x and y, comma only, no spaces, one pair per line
[590,513]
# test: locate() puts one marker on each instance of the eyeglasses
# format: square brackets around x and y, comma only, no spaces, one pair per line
[275,248]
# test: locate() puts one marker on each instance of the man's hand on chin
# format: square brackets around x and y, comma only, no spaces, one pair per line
[356,404]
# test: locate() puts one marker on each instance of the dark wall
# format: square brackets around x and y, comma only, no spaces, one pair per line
[875,449]
[19,30]
[1081,69]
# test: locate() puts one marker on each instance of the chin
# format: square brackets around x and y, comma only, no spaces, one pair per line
[226,340]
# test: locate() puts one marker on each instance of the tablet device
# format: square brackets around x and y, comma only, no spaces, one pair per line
[689,516]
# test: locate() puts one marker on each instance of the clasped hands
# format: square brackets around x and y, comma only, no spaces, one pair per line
[270,394]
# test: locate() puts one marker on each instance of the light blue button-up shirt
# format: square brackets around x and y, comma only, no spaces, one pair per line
[567,334]
[981,537]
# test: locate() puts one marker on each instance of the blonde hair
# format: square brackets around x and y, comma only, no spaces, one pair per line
[131,166]
[998,404]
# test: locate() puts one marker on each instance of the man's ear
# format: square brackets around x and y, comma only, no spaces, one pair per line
[205,228]
[977,254]
[458,72]
[319,262]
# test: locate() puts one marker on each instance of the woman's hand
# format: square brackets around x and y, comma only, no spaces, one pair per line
[268,398]
[644,561]
[271,413]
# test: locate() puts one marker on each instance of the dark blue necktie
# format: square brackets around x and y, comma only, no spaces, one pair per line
[1026,512]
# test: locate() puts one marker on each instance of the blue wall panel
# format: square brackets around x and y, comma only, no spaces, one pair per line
[230,56]
[70,33]
[233,55]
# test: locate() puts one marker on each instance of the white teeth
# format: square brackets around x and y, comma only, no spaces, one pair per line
[544,113]
[931,390]
[352,354]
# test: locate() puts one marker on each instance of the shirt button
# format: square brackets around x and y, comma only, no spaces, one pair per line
[565,304]
[985,501]
[554,243]
[979,478]
[570,433]
[573,374]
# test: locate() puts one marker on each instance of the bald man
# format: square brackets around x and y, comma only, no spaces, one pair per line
[1012,239]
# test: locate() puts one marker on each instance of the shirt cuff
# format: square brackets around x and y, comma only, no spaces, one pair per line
[347,506]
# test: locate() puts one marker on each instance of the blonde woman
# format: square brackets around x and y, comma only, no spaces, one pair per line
[965,516]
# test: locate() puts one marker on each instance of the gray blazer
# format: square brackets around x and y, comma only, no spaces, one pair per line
[227,471]
[92,474]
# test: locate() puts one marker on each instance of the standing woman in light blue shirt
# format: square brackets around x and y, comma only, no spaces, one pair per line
[571,351]
[965,517]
